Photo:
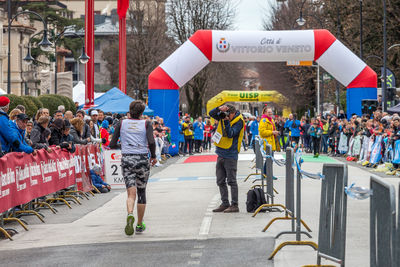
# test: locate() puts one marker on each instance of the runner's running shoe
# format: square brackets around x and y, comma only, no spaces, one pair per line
[130,220]
[140,228]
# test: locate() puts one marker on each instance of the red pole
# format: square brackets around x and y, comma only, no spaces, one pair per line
[122,54]
[89,43]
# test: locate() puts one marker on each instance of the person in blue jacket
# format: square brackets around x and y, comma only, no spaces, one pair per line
[198,128]
[102,186]
[181,138]
[254,131]
[293,124]
[19,127]
[8,137]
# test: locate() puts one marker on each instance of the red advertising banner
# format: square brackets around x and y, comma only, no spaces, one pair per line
[25,177]
[85,158]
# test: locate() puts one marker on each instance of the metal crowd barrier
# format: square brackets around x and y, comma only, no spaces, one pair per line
[267,171]
[259,161]
[333,215]
[397,247]
[289,195]
[383,224]
[298,231]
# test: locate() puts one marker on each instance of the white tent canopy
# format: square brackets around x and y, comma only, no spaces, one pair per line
[78,93]
[2,92]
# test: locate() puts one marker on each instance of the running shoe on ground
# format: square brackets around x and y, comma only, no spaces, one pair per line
[130,220]
[140,228]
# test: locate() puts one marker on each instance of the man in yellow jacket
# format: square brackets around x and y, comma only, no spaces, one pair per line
[227,139]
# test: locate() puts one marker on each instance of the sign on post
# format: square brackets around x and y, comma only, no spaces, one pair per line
[113,170]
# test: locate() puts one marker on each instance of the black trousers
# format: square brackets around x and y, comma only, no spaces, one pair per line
[188,142]
[197,145]
[316,142]
[226,170]
[207,143]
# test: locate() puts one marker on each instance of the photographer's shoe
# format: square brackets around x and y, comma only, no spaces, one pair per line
[232,208]
[221,208]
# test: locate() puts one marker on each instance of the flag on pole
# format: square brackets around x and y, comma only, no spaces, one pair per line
[122,7]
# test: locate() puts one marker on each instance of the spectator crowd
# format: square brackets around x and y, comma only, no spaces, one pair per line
[64,130]
[372,140]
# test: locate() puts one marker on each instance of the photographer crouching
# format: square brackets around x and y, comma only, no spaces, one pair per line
[227,139]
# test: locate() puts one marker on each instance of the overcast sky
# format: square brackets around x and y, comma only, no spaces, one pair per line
[250,14]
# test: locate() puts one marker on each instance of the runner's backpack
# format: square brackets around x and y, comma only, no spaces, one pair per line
[255,198]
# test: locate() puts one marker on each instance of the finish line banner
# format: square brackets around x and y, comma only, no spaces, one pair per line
[25,177]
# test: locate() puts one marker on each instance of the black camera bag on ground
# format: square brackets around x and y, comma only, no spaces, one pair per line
[255,198]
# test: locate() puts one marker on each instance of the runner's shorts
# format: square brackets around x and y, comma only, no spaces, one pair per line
[135,169]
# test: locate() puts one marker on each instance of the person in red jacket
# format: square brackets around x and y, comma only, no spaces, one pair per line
[104,133]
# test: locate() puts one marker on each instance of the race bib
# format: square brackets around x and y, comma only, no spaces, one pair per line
[216,138]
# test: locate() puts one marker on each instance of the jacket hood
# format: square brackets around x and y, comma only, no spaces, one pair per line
[4,113]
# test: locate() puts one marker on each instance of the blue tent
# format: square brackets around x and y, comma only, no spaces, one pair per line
[116,102]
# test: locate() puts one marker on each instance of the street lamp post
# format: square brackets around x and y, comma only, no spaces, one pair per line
[83,58]
[361,29]
[384,104]
[337,36]
[44,44]
[301,21]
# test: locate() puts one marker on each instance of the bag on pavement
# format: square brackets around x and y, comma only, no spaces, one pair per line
[255,198]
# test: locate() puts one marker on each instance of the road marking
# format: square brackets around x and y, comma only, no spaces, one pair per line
[199,246]
[206,223]
[193,262]
[168,179]
[196,254]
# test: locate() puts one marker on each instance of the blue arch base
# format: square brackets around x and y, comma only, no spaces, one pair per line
[355,96]
[165,104]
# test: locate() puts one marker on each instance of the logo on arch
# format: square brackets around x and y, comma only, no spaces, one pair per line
[223,46]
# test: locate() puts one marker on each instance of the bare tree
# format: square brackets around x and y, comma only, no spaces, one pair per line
[147,45]
[184,18]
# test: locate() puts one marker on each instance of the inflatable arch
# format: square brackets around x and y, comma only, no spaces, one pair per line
[248,96]
[257,46]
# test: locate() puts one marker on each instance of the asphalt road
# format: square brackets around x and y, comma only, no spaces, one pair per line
[211,252]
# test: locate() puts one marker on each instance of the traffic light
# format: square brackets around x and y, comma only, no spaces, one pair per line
[390,94]
[369,106]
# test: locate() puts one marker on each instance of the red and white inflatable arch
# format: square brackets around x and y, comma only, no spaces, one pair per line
[257,46]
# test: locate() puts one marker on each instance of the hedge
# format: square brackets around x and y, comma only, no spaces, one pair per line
[51,102]
[15,101]
[35,100]
[32,104]
[68,103]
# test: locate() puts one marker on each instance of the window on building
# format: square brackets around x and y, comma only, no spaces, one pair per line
[97,45]
[96,67]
